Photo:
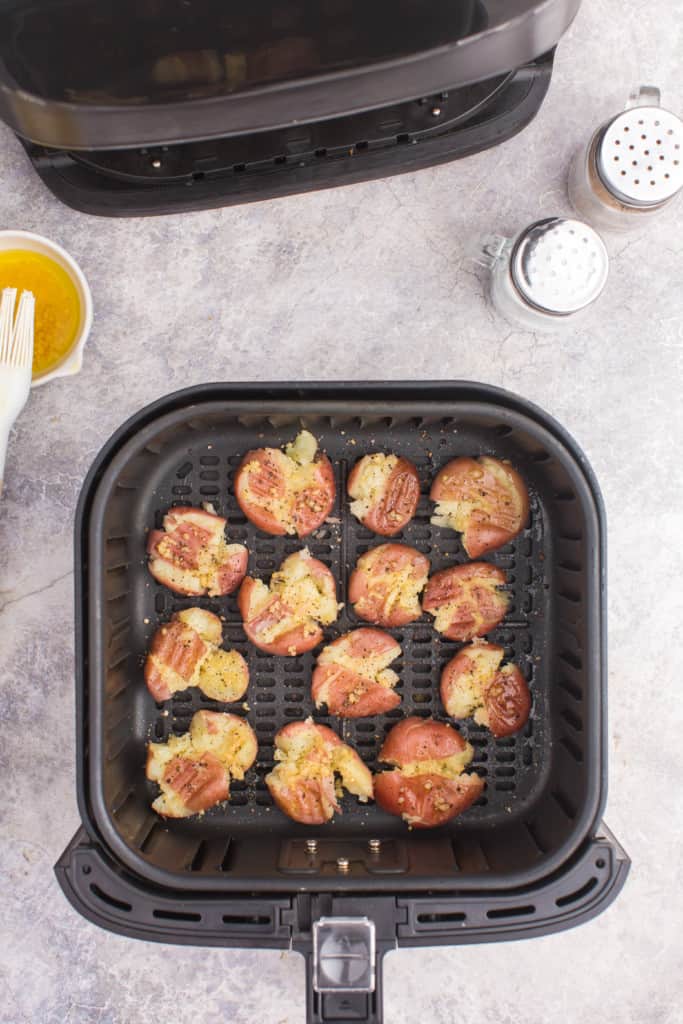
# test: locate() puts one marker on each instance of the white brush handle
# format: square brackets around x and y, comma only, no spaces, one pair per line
[4,441]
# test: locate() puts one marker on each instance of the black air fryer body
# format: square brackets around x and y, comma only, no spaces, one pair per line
[141,107]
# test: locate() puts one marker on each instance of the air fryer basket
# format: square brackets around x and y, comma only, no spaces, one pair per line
[529,859]
[545,787]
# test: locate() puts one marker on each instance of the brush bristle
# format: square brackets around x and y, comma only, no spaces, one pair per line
[16,333]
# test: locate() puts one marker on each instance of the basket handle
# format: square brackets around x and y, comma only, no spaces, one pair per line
[344,972]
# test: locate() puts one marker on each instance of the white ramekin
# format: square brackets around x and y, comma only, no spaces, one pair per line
[26,240]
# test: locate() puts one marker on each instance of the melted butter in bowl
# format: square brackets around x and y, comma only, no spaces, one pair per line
[58,307]
[63,302]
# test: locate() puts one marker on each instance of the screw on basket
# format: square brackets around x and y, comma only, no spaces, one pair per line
[16,361]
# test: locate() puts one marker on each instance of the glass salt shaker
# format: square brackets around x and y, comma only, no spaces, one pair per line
[632,168]
[548,275]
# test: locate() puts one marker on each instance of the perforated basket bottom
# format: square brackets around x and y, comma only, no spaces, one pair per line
[196,465]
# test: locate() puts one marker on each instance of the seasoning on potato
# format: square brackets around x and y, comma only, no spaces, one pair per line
[313,768]
[285,617]
[484,499]
[466,600]
[427,785]
[194,770]
[352,676]
[385,491]
[190,554]
[286,492]
[475,684]
[386,583]
[186,652]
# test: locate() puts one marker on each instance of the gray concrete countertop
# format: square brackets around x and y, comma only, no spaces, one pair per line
[373,281]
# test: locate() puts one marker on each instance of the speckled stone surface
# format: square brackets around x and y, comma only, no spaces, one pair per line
[374,281]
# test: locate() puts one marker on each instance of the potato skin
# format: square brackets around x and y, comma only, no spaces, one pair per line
[393,509]
[311,799]
[194,770]
[295,641]
[307,510]
[429,800]
[420,739]
[497,493]
[199,784]
[504,693]
[186,652]
[175,550]
[424,799]
[372,579]
[178,648]
[472,589]
[354,692]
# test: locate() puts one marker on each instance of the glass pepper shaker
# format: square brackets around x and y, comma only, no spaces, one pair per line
[632,167]
[548,275]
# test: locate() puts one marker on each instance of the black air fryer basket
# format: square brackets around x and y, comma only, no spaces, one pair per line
[529,858]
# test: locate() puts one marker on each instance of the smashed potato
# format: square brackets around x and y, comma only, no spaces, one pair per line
[194,770]
[484,499]
[352,675]
[473,684]
[186,652]
[428,785]
[285,617]
[290,491]
[191,556]
[385,490]
[313,767]
[466,601]
[385,586]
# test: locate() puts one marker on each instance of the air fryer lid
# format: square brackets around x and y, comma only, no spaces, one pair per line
[78,74]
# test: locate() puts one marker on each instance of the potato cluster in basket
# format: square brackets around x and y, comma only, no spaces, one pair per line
[292,491]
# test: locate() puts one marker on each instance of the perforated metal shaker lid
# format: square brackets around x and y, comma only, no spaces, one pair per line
[639,156]
[559,265]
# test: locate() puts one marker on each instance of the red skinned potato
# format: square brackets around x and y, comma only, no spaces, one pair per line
[385,490]
[313,767]
[484,499]
[428,785]
[385,586]
[191,556]
[194,770]
[473,684]
[290,491]
[466,601]
[186,652]
[286,616]
[352,675]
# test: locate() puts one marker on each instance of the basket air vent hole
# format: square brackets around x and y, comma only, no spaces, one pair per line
[253,919]
[570,565]
[502,912]
[176,915]
[572,719]
[578,894]
[572,749]
[571,689]
[565,804]
[571,659]
[444,918]
[209,460]
[111,901]
[184,470]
